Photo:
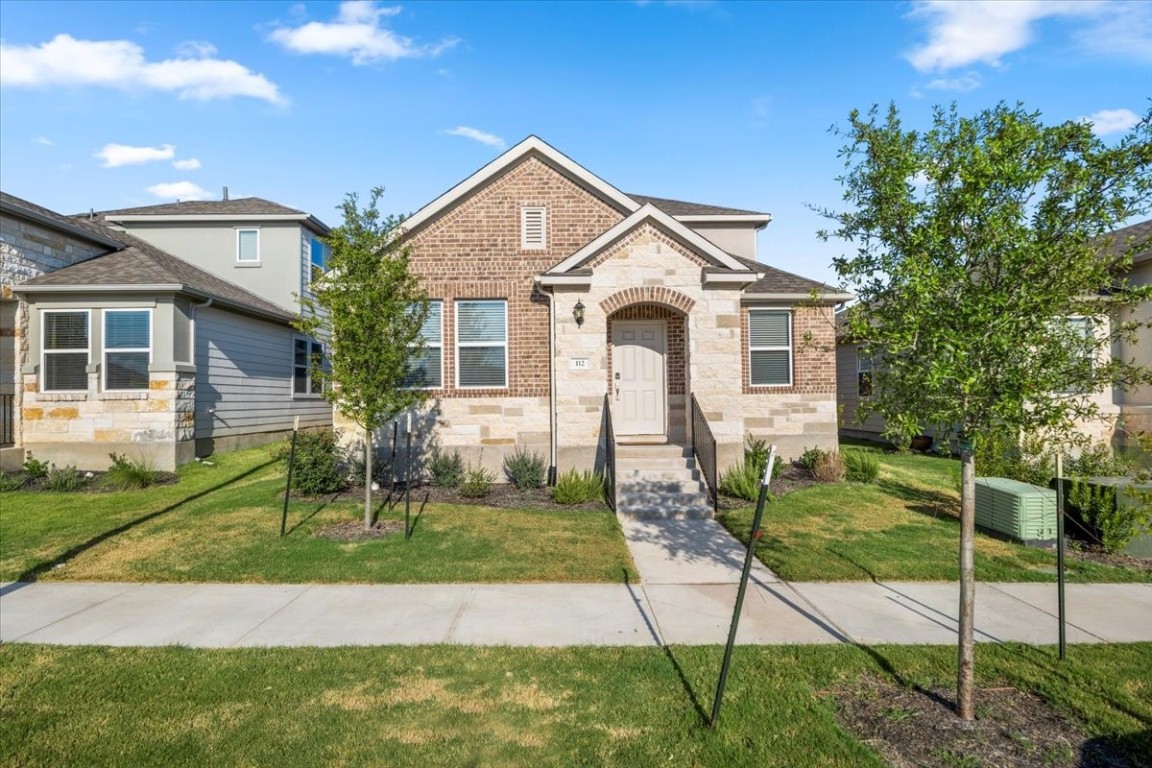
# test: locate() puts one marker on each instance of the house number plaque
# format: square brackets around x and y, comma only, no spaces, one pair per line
[579,364]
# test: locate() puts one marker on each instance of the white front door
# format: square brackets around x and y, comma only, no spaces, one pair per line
[638,377]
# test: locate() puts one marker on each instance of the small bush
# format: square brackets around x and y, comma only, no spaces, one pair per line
[66,478]
[742,480]
[829,468]
[381,465]
[1116,521]
[477,482]
[860,467]
[34,468]
[446,470]
[999,453]
[11,482]
[574,487]
[525,470]
[317,468]
[811,457]
[1097,460]
[126,474]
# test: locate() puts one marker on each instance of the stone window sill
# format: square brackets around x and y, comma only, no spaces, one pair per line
[122,396]
[61,397]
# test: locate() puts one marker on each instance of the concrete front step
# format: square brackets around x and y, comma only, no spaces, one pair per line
[648,500]
[668,451]
[666,513]
[651,484]
[660,482]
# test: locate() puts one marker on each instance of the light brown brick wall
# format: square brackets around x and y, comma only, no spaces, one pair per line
[473,251]
[813,353]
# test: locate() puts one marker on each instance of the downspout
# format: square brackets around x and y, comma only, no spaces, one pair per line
[192,307]
[552,417]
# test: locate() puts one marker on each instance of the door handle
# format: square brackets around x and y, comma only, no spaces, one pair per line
[617,391]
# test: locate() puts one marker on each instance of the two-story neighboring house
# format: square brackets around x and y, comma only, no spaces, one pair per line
[120,345]
[554,296]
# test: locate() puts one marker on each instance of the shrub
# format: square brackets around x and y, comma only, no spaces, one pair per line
[860,467]
[11,482]
[1097,460]
[66,478]
[525,470]
[34,468]
[381,465]
[446,470]
[317,468]
[999,453]
[477,482]
[810,457]
[125,473]
[829,467]
[574,487]
[742,480]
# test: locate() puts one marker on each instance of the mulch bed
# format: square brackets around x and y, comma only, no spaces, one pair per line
[792,478]
[354,530]
[912,727]
[93,483]
[1096,554]
[501,496]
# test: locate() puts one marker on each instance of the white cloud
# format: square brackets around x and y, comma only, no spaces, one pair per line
[963,32]
[969,81]
[191,164]
[65,60]
[1123,29]
[359,34]
[43,141]
[116,155]
[196,49]
[475,134]
[179,190]
[1108,121]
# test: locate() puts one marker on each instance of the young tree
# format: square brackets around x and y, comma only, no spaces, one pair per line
[976,243]
[372,309]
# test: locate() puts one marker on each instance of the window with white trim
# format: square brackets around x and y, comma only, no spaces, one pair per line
[247,246]
[427,369]
[307,366]
[482,343]
[64,351]
[319,259]
[533,228]
[127,348]
[863,373]
[769,348]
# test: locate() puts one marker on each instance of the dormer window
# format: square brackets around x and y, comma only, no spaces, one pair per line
[533,228]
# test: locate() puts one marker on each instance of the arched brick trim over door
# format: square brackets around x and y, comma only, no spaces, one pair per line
[647,294]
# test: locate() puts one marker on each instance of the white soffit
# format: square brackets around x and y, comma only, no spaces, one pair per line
[507,160]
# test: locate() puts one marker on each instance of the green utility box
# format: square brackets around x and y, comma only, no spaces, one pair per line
[1016,511]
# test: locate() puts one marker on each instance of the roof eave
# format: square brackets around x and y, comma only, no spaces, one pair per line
[761,220]
[76,230]
[279,316]
[136,218]
[824,298]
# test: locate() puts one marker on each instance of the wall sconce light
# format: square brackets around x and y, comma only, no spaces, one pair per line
[578,312]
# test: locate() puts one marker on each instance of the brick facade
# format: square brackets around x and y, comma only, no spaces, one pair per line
[813,353]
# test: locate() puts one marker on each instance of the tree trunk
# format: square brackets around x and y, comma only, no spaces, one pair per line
[368,479]
[967,581]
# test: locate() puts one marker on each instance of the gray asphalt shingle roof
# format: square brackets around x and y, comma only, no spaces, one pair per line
[80,226]
[255,206]
[684,208]
[1139,234]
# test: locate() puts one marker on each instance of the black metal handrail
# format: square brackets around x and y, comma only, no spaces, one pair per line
[704,450]
[7,419]
[609,455]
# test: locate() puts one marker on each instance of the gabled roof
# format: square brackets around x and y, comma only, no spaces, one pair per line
[133,265]
[240,209]
[700,212]
[1136,235]
[85,230]
[529,146]
[706,248]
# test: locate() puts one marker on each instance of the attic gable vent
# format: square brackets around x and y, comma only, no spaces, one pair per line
[533,228]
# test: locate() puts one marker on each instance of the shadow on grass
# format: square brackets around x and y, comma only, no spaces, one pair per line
[934,504]
[321,506]
[33,573]
[419,514]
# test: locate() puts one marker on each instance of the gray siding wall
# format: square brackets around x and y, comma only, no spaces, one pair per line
[848,397]
[244,378]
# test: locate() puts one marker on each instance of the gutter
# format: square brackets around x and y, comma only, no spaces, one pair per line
[285,317]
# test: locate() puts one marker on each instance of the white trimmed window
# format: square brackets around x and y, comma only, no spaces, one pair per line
[533,228]
[127,348]
[318,258]
[769,348]
[863,374]
[482,344]
[64,351]
[307,366]
[427,369]
[1083,344]
[247,246]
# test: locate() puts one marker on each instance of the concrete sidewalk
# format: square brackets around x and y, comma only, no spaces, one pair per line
[689,572]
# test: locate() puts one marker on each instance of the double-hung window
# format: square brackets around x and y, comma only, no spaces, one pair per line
[769,348]
[65,351]
[319,259]
[127,348]
[482,343]
[307,367]
[863,374]
[247,246]
[426,366]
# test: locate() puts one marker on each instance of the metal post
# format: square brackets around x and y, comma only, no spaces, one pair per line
[408,480]
[1060,549]
[754,535]
[288,486]
[392,463]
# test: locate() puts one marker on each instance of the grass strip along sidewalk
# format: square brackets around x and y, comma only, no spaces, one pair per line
[455,706]
[220,523]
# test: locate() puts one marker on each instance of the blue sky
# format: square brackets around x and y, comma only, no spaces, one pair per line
[107,105]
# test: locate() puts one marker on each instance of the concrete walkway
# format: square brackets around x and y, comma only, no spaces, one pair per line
[689,571]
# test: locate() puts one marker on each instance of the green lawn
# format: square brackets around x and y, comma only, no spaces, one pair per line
[221,523]
[454,706]
[905,526]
